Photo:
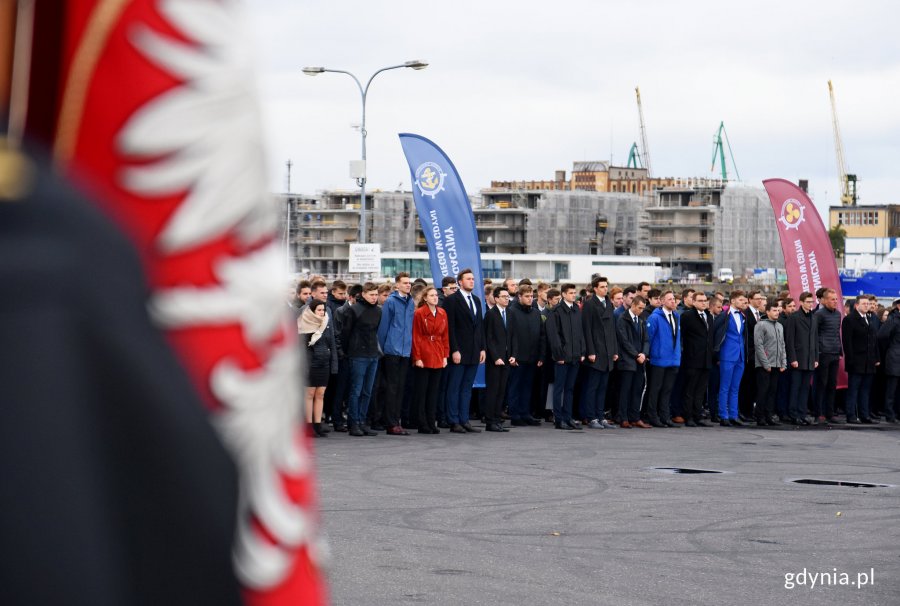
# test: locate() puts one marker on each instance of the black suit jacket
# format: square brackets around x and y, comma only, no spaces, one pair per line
[599,333]
[696,340]
[631,341]
[496,336]
[466,331]
[860,344]
[750,362]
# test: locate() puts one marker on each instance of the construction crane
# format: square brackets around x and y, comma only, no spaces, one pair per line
[719,153]
[848,182]
[646,148]
[634,157]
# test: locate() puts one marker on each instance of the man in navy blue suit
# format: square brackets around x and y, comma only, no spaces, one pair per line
[730,335]
[466,328]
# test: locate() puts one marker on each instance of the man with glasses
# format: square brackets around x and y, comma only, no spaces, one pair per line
[696,358]
[499,360]
[747,396]
[448,287]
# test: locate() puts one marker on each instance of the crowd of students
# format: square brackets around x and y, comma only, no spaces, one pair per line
[393,357]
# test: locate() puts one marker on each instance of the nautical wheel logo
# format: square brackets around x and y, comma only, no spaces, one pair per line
[430,179]
[792,214]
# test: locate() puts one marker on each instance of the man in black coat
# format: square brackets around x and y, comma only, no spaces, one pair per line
[497,363]
[634,349]
[602,352]
[802,350]
[528,345]
[566,338]
[889,341]
[466,332]
[696,357]
[747,395]
[859,336]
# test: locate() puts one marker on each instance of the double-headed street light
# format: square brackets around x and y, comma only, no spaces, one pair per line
[359,171]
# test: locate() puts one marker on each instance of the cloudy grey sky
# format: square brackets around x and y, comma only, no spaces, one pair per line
[518,89]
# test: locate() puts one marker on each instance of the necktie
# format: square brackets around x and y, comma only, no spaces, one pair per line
[672,323]
[603,303]
[503,316]
[636,325]
[471,304]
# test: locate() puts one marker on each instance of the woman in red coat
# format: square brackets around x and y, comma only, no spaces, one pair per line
[430,348]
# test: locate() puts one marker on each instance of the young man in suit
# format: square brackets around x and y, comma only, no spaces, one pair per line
[747,395]
[498,361]
[802,350]
[466,327]
[597,319]
[696,357]
[859,336]
[634,349]
[730,347]
[566,339]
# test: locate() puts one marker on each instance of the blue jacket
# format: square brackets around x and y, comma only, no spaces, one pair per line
[395,328]
[729,345]
[665,351]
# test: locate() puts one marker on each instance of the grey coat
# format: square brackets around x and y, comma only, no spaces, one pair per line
[768,339]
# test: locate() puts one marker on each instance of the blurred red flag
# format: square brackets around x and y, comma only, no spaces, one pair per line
[154,111]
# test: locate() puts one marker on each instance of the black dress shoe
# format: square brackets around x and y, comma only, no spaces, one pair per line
[425,430]
[735,423]
[518,423]
[867,421]
[573,424]
[671,424]
[772,422]
[834,421]
[495,427]
[563,426]
[724,423]
[702,424]
[376,427]
[340,428]
[443,424]
[657,424]
[457,428]
[367,431]
[533,422]
[468,427]
[761,422]
[356,431]
[690,424]
[743,418]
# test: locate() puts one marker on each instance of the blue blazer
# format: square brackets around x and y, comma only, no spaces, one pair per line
[665,350]
[730,344]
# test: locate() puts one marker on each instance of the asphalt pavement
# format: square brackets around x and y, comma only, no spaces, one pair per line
[539,516]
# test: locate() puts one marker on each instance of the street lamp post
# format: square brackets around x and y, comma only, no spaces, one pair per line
[363,91]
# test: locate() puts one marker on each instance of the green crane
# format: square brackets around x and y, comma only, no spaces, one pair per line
[634,157]
[719,151]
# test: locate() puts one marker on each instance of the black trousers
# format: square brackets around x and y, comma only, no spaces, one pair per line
[660,381]
[890,397]
[495,392]
[826,384]
[766,388]
[395,368]
[696,380]
[427,383]
[747,392]
[631,388]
